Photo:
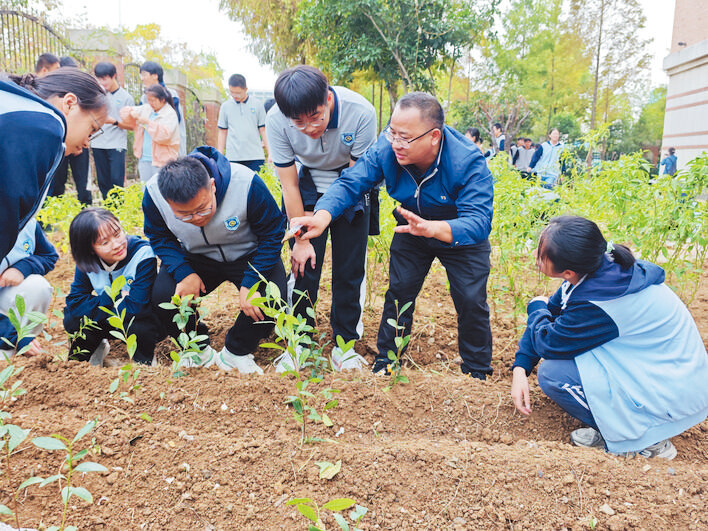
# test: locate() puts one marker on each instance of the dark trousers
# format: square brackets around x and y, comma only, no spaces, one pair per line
[243,337]
[467,270]
[560,381]
[110,168]
[254,165]
[349,243]
[79,170]
[144,326]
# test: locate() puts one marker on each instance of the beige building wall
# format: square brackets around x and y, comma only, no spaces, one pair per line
[686,118]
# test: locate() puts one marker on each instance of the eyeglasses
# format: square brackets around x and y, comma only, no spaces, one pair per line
[403,142]
[99,130]
[314,122]
[190,217]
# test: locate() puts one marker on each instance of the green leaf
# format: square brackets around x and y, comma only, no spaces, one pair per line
[29,482]
[51,479]
[49,443]
[297,501]
[20,304]
[307,511]
[115,322]
[341,521]
[17,435]
[83,431]
[339,504]
[4,510]
[90,466]
[329,470]
[146,417]
[114,385]
[326,420]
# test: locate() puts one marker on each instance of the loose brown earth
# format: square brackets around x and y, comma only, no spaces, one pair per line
[442,452]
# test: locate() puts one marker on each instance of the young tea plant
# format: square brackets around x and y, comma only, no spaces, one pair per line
[128,374]
[11,436]
[24,323]
[86,324]
[401,342]
[70,465]
[188,343]
[310,510]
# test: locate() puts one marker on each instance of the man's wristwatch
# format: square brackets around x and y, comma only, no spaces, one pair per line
[115,122]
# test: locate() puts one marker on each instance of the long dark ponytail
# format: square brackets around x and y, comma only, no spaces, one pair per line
[575,243]
[90,95]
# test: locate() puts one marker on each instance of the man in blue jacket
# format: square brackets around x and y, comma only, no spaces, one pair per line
[212,221]
[446,194]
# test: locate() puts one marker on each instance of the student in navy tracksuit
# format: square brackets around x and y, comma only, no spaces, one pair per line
[102,253]
[621,351]
[22,273]
[446,193]
[41,119]
[211,221]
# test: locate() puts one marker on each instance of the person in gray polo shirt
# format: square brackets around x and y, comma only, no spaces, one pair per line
[325,129]
[110,147]
[242,126]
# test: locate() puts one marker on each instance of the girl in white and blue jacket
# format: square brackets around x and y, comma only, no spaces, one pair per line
[621,351]
[103,253]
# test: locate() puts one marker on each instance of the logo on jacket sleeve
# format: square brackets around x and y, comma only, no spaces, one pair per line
[348,139]
[26,246]
[232,223]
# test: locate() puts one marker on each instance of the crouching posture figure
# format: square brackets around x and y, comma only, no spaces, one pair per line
[621,351]
[22,273]
[211,221]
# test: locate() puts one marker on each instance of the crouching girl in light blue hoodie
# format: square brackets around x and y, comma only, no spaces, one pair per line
[620,350]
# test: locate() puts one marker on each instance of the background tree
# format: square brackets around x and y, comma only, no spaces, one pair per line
[399,40]
[270,24]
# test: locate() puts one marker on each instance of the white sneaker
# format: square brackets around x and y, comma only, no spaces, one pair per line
[664,449]
[205,359]
[245,364]
[342,361]
[286,362]
[100,353]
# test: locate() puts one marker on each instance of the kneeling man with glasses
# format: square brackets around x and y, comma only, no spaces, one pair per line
[445,189]
[211,221]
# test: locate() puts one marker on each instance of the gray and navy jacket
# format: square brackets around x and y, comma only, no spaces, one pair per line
[640,357]
[88,290]
[32,254]
[457,188]
[247,222]
[31,148]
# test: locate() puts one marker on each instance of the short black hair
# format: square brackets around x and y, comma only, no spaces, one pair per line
[497,126]
[267,104]
[68,61]
[151,67]
[104,69]
[300,90]
[237,80]
[180,180]
[84,230]
[672,151]
[430,109]
[45,61]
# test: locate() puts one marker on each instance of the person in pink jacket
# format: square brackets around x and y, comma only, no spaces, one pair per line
[156,131]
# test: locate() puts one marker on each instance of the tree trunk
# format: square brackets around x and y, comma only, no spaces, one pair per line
[597,76]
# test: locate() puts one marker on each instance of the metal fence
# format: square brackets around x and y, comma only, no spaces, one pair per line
[23,38]
[195,120]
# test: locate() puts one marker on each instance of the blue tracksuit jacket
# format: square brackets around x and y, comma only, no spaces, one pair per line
[457,188]
[31,147]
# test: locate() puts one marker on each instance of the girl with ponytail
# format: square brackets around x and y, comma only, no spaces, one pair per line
[620,351]
[41,120]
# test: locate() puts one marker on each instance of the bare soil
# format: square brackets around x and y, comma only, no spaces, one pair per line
[442,452]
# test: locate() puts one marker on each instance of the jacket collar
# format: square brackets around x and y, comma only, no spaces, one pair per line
[218,167]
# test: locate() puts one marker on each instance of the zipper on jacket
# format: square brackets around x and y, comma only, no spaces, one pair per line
[221,251]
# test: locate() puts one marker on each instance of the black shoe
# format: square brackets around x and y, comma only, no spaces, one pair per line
[380,364]
[475,374]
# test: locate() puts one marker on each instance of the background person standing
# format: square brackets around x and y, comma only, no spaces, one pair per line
[242,126]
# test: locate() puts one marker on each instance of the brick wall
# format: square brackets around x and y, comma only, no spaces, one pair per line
[690,23]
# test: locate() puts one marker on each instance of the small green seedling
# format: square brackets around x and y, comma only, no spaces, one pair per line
[117,317]
[310,510]
[70,466]
[24,323]
[11,436]
[401,342]
[86,324]
[304,409]
[7,390]
[188,344]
